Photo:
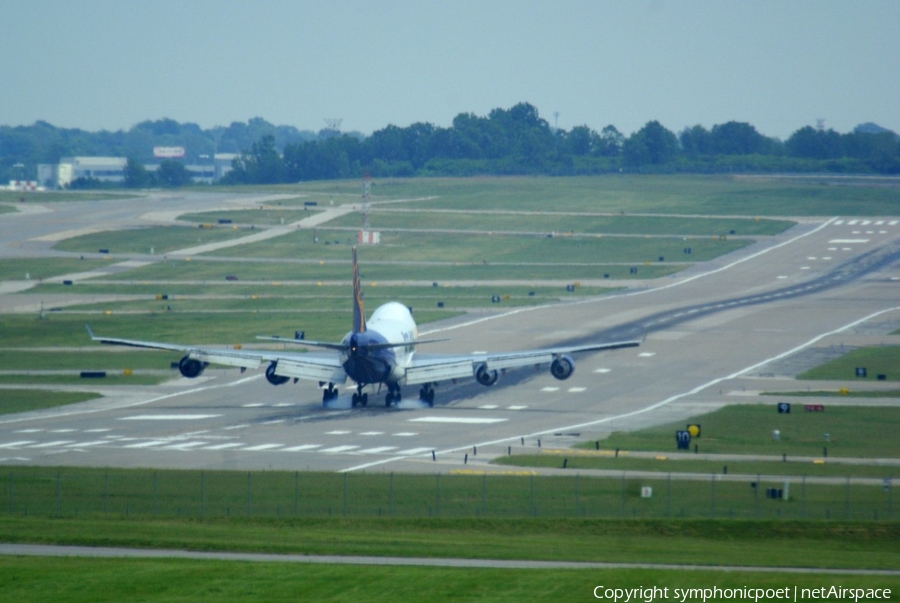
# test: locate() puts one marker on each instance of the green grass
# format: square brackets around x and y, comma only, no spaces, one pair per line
[112,378]
[681,195]
[196,328]
[576,460]
[41,268]
[155,240]
[418,247]
[56,197]
[202,272]
[107,358]
[747,429]
[880,360]
[91,493]
[723,542]
[893,393]
[23,400]
[288,213]
[632,194]
[547,222]
[163,580]
[253,297]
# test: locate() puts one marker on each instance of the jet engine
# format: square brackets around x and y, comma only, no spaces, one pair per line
[562,367]
[274,379]
[486,376]
[190,368]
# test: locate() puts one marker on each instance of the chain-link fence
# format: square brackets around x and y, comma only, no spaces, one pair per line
[89,492]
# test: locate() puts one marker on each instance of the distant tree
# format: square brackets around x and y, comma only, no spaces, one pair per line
[737,138]
[810,143]
[580,140]
[696,141]
[172,173]
[611,142]
[260,165]
[651,145]
[136,175]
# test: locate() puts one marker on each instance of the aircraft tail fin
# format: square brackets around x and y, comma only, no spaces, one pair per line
[359,316]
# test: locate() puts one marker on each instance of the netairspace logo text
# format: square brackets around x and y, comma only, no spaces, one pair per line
[787,593]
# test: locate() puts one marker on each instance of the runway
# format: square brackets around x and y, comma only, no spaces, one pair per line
[714,333]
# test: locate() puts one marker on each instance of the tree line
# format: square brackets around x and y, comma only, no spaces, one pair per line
[519,141]
[506,141]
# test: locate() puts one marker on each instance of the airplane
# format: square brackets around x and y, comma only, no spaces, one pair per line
[380,351]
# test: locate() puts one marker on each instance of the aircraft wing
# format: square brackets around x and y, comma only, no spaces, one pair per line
[313,367]
[428,368]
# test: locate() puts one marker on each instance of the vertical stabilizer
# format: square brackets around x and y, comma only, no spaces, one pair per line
[359,316]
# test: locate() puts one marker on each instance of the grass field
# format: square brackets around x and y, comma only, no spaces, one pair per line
[216,272]
[41,268]
[155,240]
[114,580]
[680,195]
[23,400]
[60,196]
[605,459]
[881,360]
[555,222]
[502,495]
[62,329]
[867,432]
[773,543]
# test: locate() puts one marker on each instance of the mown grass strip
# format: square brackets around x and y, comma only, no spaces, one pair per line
[763,543]
[853,431]
[113,580]
[14,401]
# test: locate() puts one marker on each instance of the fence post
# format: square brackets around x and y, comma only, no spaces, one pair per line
[344,501]
[623,494]
[533,508]
[106,491]
[669,495]
[889,493]
[202,494]
[58,495]
[577,494]
[712,496]
[758,486]
[437,495]
[847,500]
[249,498]
[803,495]
[484,493]
[11,506]
[155,493]
[296,493]
[391,495]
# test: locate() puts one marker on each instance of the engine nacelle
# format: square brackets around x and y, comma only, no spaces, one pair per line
[190,368]
[274,379]
[485,376]
[562,367]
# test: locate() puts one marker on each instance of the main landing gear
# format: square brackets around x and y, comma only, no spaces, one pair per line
[393,395]
[330,394]
[359,397]
[426,394]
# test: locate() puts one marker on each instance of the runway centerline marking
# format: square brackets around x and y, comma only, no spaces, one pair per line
[168,417]
[465,420]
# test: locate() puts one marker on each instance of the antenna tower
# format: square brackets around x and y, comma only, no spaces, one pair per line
[366,197]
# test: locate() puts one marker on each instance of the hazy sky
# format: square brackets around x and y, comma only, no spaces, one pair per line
[779,65]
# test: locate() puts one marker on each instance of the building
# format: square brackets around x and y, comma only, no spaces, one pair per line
[112,169]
